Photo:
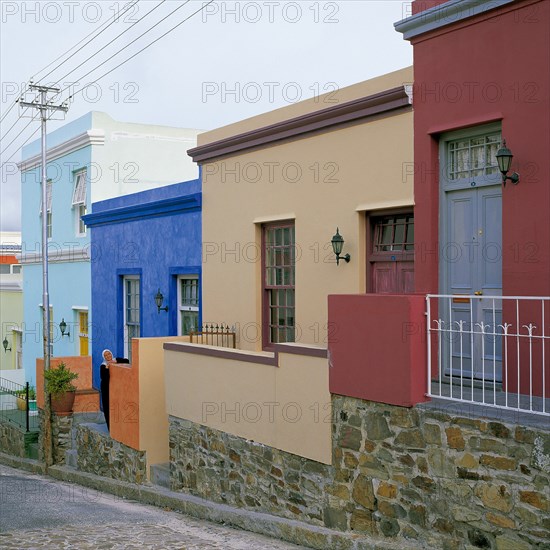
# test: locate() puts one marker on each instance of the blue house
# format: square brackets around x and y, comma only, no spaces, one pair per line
[146,267]
[91,159]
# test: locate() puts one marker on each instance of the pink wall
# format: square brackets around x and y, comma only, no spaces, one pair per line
[379,349]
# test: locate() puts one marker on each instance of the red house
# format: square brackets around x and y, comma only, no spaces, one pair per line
[481,245]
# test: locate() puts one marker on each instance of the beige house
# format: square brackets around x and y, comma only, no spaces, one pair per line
[275,189]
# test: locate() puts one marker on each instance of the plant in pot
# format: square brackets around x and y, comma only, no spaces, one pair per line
[61,388]
[21,400]
[32,399]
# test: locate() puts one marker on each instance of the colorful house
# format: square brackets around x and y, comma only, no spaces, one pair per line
[143,300]
[276,189]
[91,159]
[11,308]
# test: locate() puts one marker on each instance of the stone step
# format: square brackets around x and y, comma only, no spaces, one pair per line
[160,474]
[71,458]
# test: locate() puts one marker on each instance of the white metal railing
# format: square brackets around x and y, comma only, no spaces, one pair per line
[489,350]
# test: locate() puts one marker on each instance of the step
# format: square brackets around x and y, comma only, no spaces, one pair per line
[160,474]
[71,457]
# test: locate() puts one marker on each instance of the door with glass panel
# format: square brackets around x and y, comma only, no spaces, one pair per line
[188,304]
[470,256]
[131,313]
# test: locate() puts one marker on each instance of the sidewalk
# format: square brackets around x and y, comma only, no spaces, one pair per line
[263,524]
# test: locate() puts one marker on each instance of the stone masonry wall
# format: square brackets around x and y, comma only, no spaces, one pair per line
[12,440]
[444,480]
[98,454]
[61,436]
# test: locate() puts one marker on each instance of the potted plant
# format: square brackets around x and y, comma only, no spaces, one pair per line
[61,388]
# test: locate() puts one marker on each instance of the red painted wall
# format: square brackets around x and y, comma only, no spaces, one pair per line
[8,259]
[494,66]
[379,353]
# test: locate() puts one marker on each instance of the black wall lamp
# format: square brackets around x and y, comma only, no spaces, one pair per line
[504,159]
[159,298]
[5,344]
[63,328]
[337,245]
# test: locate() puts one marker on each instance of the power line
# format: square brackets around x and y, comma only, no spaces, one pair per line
[127,45]
[22,145]
[124,9]
[143,49]
[12,126]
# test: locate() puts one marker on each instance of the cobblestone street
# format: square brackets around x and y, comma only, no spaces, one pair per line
[37,512]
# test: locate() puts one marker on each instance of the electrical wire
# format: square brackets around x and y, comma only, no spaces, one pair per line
[124,9]
[115,17]
[205,5]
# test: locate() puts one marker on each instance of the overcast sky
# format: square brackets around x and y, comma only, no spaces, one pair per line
[231,61]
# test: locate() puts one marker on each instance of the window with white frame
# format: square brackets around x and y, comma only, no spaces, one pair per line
[472,157]
[131,312]
[79,202]
[48,208]
[188,304]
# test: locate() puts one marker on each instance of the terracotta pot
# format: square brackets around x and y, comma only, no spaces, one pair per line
[21,404]
[64,402]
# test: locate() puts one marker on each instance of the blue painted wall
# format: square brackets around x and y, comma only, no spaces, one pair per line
[163,242]
[69,282]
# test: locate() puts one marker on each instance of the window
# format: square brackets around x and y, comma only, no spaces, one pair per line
[394,233]
[5,269]
[391,261]
[188,304]
[48,208]
[79,202]
[131,313]
[473,156]
[83,333]
[16,268]
[279,282]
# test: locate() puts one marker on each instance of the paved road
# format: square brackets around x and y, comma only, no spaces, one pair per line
[38,512]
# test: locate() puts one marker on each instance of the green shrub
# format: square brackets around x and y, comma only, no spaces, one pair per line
[59,380]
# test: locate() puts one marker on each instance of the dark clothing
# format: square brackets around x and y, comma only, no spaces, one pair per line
[105,375]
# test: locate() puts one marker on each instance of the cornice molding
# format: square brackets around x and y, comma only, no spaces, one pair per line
[90,137]
[56,256]
[445,14]
[11,286]
[376,104]
[155,209]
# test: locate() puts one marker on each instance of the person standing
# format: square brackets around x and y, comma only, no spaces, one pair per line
[105,374]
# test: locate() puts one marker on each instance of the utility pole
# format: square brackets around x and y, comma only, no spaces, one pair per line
[45,108]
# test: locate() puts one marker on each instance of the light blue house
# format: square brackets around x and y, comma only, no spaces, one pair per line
[124,287]
[91,159]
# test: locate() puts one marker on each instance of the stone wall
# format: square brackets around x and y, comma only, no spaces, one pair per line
[445,480]
[61,436]
[12,440]
[98,454]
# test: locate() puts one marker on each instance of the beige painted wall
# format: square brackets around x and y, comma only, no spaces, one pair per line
[349,93]
[366,163]
[153,421]
[286,407]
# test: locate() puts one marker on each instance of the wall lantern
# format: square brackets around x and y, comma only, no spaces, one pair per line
[504,159]
[5,344]
[337,245]
[63,328]
[159,298]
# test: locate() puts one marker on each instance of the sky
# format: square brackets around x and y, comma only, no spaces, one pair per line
[230,61]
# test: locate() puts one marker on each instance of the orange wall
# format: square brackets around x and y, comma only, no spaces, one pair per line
[80,365]
[124,400]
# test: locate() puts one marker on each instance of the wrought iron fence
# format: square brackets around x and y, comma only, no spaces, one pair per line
[16,407]
[490,350]
[214,335]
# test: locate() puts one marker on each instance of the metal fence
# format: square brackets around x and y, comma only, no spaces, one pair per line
[16,407]
[490,350]
[214,335]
